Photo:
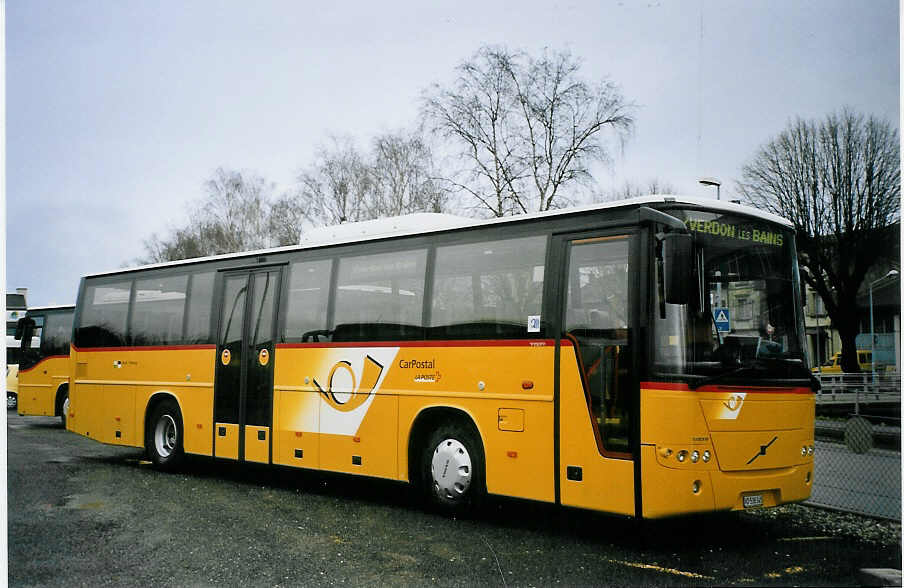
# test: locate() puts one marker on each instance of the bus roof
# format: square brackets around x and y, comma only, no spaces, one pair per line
[426,223]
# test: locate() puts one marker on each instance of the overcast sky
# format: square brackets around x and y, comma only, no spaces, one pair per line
[118,111]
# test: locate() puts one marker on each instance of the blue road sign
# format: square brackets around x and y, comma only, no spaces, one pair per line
[722,317]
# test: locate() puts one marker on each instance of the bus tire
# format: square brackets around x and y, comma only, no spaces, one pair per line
[452,469]
[63,405]
[163,435]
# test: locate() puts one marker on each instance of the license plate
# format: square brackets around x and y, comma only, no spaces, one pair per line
[753,501]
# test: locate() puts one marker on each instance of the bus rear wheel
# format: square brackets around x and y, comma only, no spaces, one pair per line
[453,469]
[163,435]
[64,408]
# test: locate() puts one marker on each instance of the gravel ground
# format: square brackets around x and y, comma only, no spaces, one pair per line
[796,518]
[86,514]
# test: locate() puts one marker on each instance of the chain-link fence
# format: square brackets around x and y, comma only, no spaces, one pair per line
[858,449]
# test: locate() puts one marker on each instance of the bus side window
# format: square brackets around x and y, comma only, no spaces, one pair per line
[309,295]
[158,310]
[380,297]
[200,304]
[56,334]
[488,289]
[105,310]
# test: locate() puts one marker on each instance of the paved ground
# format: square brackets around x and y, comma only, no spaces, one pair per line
[81,513]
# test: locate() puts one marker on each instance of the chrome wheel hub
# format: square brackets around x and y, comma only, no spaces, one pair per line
[451,470]
[165,436]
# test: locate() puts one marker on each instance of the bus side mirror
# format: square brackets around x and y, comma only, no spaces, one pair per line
[677,257]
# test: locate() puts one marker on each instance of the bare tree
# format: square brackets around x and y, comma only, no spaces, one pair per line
[526,127]
[395,178]
[338,183]
[237,204]
[234,215]
[839,181]
[404,180]
[288,214]
[632,190]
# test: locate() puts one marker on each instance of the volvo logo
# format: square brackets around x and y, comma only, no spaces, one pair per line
[763,449]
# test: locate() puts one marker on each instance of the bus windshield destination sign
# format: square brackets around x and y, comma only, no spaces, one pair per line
[740,232]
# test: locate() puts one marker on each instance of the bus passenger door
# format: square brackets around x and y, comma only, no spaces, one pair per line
[597,389]
[243,392]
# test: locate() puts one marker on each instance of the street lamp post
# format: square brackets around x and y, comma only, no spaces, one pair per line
[872,333]
[711,182]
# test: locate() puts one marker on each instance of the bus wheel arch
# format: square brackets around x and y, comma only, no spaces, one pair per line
[448,440]
[164,431]
[61,403]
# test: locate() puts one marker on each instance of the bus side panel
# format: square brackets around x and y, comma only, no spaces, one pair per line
[351,409]
[186,374]
[85,416]
[296,420]
[38,386]
[372,450]
[118,415]
[507,391]
[605,484]
[112,388]
[518,463]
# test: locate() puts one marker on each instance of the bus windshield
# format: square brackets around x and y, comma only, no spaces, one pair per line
[742,321]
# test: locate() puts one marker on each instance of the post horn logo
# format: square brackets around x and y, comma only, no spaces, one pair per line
[733,403]
[347,398]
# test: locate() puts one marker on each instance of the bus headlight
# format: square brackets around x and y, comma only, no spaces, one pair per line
[706,456]
[810,450]
[682,455]
[695,456]
[803,451]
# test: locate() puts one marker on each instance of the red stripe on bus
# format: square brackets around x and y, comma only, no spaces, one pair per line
[442,343]
[147,348]
[718,388]
[49,357]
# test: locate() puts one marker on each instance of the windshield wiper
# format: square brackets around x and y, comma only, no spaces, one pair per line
[758,367]
[724,375]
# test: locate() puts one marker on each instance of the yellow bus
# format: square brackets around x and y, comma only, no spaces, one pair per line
[643,357]
[45,333]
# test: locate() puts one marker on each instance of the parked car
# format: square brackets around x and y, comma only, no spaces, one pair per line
[833,366]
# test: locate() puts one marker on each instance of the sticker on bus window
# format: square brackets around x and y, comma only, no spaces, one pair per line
[533,323]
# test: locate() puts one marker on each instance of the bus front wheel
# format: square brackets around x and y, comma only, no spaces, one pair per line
[163,435]
[453,469]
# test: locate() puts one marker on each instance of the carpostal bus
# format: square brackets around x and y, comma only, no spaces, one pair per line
[45,333]
[643,357]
